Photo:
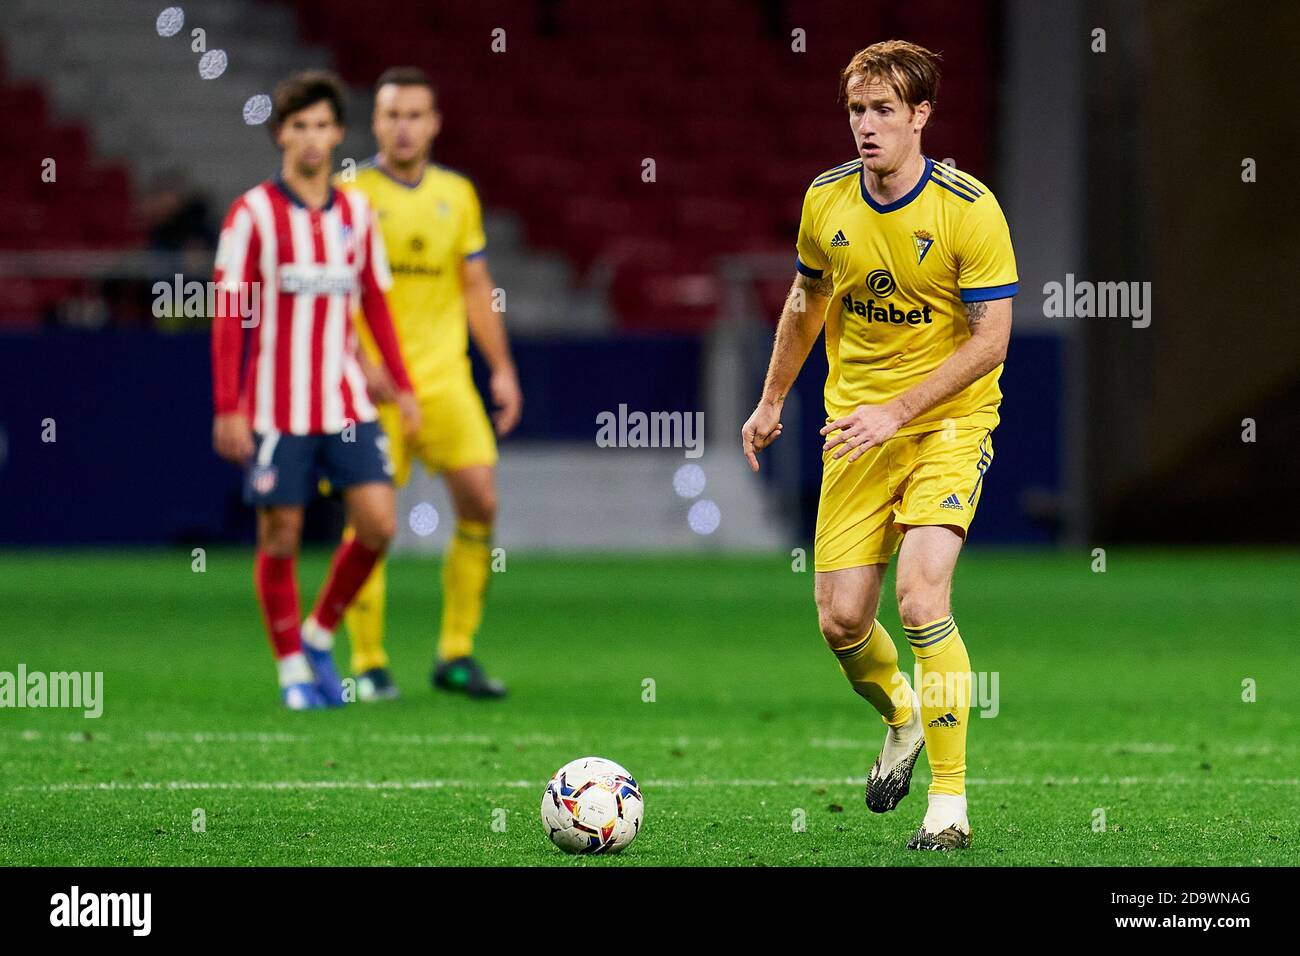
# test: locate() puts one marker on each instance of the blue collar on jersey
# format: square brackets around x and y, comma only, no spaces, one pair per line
[902,201]
[374,163]
[293,197]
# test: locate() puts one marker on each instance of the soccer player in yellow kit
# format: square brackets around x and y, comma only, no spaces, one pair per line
[908,264]
[442,293]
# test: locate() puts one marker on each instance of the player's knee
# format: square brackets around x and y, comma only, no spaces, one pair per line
[921,603]
[279,534]
[377,531]
[383,533]
[279,546]
[482,507]
[841,627]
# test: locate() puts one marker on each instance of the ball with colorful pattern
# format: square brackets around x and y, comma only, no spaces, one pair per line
[592,805]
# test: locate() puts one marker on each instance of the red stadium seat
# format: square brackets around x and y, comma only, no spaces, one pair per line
[80,206]
[19,304]
[737,122]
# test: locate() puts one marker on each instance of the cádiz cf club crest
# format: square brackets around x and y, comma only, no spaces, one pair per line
[923,242]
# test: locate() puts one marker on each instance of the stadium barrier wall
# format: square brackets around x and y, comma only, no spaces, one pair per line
[105,438]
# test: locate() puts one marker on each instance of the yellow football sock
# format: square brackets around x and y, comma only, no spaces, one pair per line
[945,700]
[464,579]
[871,666]
[365,622]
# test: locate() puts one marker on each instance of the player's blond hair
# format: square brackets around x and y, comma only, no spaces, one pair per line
[909,70]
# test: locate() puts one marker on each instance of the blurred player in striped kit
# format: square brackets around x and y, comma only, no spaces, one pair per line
[304,254]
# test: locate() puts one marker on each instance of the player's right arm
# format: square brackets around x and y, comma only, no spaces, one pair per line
[801,321]
[235,272]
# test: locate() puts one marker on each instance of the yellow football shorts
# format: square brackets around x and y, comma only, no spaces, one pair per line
[455,432]
[934,478]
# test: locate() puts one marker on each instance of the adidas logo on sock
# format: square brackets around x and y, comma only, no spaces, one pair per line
[839,240]
[951,502]
[947,720]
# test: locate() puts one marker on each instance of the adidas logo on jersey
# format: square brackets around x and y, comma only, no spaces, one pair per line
[839,239]
[951,502]
[947,720]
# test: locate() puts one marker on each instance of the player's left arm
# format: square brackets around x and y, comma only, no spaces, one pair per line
[488,330]
[985,350]
[379,384]
[375,281]
[487,327]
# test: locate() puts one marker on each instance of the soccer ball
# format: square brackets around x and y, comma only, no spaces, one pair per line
[592,805]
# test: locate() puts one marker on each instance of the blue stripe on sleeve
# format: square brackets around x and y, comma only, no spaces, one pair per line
[808,271]
[990,292]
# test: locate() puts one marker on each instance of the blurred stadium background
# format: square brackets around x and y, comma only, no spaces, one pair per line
[661,295]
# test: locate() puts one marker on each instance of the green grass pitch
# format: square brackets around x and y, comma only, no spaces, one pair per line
[1119,693]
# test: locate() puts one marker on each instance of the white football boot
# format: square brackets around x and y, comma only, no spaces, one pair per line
[945,826]
[891,774]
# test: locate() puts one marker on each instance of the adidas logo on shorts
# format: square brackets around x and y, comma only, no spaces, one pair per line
[952,502]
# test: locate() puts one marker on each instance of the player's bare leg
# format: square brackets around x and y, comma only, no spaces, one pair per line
[365,621]
[464,582]
[926,561]
[365,615]
[372,514]
[279,532]
[847,602]
[846,611]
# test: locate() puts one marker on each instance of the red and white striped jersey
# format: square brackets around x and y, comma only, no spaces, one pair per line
[303,272]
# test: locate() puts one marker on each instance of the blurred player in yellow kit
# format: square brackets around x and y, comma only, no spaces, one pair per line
[908,264]
[442,293]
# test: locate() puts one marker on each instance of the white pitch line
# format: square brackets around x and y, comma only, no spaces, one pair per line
[454,784]
[1121,748]
[278,737]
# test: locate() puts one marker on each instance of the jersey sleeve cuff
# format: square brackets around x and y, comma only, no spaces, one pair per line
[476,254]
[806,270]
[990,292]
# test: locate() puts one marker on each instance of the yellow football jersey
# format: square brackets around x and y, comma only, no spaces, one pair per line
[429,227]
[902,272]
